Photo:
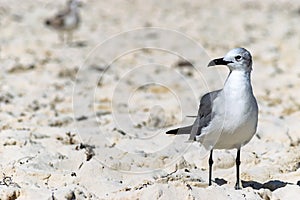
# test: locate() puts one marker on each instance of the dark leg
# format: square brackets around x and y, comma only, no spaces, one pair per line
[210,162]
[238,162]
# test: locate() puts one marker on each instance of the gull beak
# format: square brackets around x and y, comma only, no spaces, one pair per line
[218,61]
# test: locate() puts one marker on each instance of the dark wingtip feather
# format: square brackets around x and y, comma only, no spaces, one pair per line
[173,132]
[47,22]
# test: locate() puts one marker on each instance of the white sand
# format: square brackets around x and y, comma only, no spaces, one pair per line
[39,160]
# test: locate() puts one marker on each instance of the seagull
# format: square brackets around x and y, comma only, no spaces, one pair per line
[227,118]
[66,21]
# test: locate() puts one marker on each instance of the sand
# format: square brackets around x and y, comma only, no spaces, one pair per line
[86,120]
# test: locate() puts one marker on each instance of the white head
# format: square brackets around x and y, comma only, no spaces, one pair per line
[74,4]
[235,59]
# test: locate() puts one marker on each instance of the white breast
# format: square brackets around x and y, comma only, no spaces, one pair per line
[236,113]
[70,21]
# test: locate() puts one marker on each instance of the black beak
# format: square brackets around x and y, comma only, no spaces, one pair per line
[218,61]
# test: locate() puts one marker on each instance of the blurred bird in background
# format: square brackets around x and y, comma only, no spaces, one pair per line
[66,21]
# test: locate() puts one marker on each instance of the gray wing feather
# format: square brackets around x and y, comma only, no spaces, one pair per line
[204,113]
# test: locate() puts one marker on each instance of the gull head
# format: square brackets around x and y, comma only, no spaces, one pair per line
[73,4]
[235,59]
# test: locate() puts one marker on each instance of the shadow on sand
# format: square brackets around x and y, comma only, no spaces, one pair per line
[271,185]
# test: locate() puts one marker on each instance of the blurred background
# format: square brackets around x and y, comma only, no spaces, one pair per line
[96,106]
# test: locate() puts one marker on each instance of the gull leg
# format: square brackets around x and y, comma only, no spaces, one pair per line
[61,37]
[70,37]
[210,162]
[238,162]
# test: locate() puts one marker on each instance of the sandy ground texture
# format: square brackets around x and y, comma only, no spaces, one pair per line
[86,120]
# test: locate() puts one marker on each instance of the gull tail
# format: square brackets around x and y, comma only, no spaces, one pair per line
[180,131]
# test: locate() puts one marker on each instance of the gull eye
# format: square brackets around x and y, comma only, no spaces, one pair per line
[237,58]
